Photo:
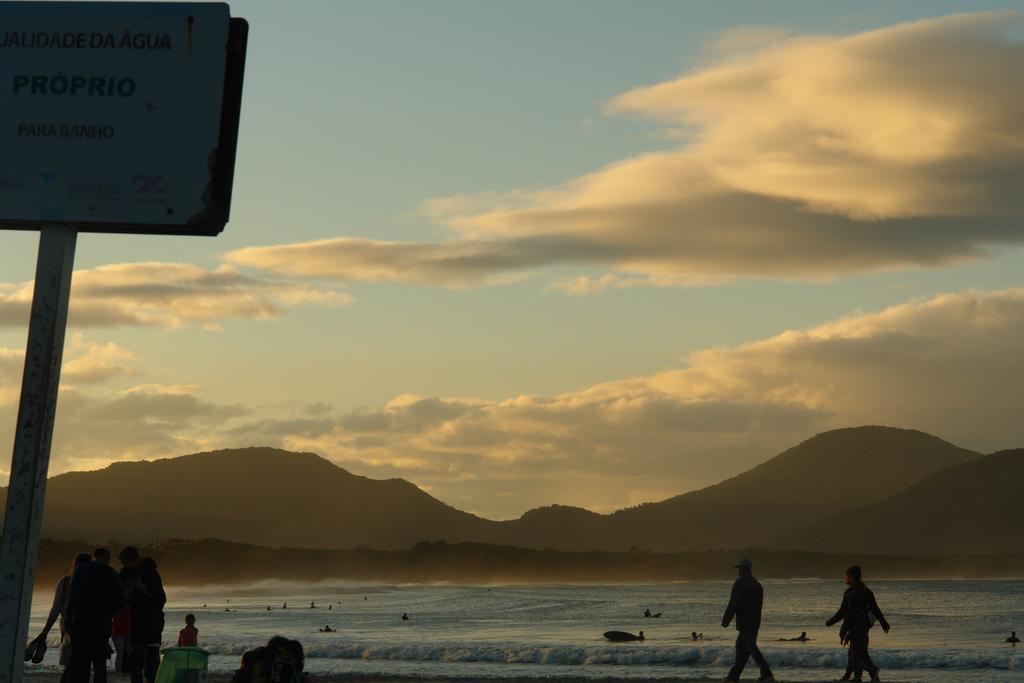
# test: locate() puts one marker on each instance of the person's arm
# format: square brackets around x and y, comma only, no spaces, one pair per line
[839,615]
[159,597]
[873,604]
[734,603]
[58,602]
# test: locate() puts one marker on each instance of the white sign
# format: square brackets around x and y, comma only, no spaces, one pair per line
[118,116]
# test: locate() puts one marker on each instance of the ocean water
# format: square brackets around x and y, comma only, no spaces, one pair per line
[950,630]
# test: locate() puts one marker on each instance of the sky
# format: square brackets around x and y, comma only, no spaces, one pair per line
[587,253]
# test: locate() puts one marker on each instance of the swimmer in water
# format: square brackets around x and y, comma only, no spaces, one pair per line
[696,636]
[405,617]
[802,638]
[641,636]
[1013,639]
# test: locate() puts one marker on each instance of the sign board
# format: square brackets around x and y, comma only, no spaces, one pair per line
[119,117]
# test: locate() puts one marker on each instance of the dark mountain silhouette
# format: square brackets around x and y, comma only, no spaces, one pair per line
[969,508]
[250,495]
[272,497]
[873,461]
[763,507]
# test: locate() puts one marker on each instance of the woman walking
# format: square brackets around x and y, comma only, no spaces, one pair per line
[859,611]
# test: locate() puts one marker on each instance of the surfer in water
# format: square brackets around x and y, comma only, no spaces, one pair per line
[647,612]
[405,617]
[327,629]
[694,636]
[1013,639]
[802,638]
[640,636]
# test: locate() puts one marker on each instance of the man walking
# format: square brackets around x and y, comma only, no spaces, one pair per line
[858,612]
[745,605]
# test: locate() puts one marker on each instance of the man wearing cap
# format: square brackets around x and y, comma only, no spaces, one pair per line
[745,605]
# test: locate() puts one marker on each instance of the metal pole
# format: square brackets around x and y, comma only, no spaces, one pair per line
[19,547]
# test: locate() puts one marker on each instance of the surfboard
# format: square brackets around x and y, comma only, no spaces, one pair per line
[620,636]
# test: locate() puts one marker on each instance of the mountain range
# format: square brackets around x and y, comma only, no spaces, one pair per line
[866,489]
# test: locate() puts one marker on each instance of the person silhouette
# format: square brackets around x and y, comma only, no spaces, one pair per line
[858,612]
[696,636]
[745,604]
[640,636]
[647,612]
[1013,639]
[405,617]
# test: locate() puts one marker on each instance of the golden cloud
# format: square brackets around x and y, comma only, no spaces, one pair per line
[806,157]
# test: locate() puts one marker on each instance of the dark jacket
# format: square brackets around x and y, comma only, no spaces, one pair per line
[148,608]
[96,593]
[745,604]
[858,600]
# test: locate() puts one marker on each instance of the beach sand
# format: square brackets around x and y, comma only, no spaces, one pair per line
[54,677]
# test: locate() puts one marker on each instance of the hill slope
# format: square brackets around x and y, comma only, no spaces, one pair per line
[968,508]
[764,507]
[249,495]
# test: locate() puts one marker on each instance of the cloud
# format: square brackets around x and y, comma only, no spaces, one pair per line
[168,295]
[805,157]
[92,363]
[141,423]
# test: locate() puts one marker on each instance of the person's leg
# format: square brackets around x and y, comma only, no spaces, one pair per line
[742,655]
[134,663]
[152,662]
[755,652]
[118,653]
[81,649]
[98,657]
[860,656]
[866,659]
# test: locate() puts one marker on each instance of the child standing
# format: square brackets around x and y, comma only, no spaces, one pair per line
[189,636]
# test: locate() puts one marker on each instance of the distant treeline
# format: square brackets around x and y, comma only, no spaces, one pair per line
[215,561]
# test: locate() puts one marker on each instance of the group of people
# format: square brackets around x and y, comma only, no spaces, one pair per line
[97,605]
[858,611]
[279,661]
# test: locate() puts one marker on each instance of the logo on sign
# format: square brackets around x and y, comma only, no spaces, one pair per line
[150,184]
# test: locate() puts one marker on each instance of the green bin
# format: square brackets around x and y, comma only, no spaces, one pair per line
[183,665]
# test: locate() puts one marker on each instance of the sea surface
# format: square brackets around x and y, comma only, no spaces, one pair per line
[951,630]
